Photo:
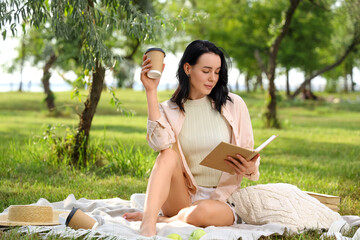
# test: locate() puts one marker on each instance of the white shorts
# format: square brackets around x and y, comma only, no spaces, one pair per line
[204,193]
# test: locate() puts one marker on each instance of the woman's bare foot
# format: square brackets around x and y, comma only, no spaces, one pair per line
[146,229]
[133,216]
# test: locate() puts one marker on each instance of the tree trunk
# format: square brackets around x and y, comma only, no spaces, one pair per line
[260,81]
[46,83]
[309,84]
[22,63]
[327,68]
[21,83]
[346,90]
[287,84]
[270,114]
[79,147]
[352,80]
[247,80]
[237,88]
[255,85]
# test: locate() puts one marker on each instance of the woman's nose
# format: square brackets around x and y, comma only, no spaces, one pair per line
[212,76]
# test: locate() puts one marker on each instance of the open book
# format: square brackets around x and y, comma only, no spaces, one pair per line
[332,202]
[215,159]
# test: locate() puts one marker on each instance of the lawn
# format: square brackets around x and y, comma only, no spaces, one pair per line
[317,148]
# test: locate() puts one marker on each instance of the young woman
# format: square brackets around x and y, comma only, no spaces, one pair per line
[184,129]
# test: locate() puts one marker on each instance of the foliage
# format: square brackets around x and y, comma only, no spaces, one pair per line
[310,27]
[120,159]
[92,23]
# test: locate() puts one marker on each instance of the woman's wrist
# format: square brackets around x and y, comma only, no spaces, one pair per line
[153,105]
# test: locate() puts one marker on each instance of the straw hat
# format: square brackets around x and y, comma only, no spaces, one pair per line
[29,215]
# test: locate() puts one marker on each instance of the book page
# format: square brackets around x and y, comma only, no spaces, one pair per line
[259,148]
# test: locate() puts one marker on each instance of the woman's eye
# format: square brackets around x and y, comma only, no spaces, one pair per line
[205,72]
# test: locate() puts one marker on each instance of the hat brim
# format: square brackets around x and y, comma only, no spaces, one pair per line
[4,221]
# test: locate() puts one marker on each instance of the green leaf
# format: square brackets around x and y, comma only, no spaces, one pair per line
[4,34]
[23,28]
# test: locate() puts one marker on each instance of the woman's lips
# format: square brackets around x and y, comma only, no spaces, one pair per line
[208,86]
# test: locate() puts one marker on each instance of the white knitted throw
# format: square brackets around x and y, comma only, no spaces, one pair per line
[284,204]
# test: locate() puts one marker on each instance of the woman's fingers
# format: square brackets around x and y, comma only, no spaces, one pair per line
[236,164]
[237,170]
[241,165]
[254,159]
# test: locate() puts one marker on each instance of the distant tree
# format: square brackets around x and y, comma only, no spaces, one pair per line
[348,39]
[343,71]
[95,21]
[309,36]
[41,48]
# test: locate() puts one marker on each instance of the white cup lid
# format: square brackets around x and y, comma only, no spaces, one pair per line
[154,74]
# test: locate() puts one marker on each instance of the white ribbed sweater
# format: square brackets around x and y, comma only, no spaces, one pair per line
[203,129]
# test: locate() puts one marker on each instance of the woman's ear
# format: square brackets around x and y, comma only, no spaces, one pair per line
[187,68]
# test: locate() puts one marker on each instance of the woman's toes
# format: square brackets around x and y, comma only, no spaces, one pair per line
[133,216]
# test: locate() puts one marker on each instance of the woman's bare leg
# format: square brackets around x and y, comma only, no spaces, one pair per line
[166,189]
[202,213]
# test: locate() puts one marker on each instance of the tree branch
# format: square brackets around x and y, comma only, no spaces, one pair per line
[275,46]
[260,61]
[135,48]
[349,49]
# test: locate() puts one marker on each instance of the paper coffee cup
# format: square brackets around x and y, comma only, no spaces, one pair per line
[157,56]
[77,219]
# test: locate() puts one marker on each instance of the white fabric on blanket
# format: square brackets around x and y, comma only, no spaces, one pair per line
[108,212]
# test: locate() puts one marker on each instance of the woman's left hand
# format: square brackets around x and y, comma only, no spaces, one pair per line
[241,165]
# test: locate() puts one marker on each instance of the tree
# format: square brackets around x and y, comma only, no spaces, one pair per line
[349,42]
[343,71]
[94,22]
[249,28]
[309,36]
[41,48]
[271,115]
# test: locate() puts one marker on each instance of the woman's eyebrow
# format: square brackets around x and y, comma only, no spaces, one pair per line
[210,67]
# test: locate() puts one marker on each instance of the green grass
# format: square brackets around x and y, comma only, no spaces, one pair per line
[317,149]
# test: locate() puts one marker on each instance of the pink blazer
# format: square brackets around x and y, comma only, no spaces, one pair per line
[164,132]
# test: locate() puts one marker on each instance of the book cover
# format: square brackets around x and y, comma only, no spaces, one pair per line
[215,159]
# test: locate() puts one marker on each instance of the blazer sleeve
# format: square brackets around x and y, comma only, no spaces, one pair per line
[246,136]
[159,133]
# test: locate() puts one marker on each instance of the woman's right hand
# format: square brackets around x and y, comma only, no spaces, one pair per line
[150,84]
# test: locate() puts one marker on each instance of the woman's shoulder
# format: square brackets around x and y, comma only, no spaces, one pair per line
[236,99]
[169,104]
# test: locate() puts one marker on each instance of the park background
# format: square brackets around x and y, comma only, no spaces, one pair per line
[318,145]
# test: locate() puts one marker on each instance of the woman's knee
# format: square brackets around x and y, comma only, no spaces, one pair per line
[204,213]
[168,157]
[198,215]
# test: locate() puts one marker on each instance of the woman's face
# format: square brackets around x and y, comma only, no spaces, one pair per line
[203,75]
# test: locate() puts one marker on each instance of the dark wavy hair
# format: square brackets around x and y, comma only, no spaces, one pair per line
[193,51]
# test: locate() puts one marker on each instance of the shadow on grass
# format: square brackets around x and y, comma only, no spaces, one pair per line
[340,160]
[322,105]
[6,137]
[304,148]
[327,122]
[120,128]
